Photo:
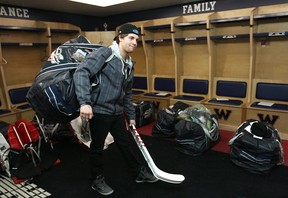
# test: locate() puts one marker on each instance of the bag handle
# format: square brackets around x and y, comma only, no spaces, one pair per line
[26,130]
[17,135]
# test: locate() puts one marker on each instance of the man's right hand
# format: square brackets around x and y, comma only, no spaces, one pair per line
[86,112]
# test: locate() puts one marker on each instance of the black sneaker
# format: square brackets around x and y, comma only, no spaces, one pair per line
[145,176]
[101,187]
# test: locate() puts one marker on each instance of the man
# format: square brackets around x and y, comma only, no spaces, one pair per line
[104,105]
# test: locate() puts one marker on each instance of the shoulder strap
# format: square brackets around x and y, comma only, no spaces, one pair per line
[111,56]
[107,60]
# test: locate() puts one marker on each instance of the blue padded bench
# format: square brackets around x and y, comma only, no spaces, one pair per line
[136,92]
[162,84]
[230,89]
[18,96]
[274,92]
[139,82]
[193,86]
[4,111]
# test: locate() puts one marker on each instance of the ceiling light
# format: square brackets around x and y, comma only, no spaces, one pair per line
[102,3]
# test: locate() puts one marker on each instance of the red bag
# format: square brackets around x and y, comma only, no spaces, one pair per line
[31,153]
[21,133]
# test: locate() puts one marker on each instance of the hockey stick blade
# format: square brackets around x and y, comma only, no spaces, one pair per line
[161,175]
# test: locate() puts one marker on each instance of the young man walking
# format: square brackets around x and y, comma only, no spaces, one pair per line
[104,101]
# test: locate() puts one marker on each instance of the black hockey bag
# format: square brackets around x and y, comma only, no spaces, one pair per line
[256,147]
[52,95]
[196,131]
[145,112]
[166,120]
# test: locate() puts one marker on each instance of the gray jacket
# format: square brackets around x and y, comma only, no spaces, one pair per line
[110,92]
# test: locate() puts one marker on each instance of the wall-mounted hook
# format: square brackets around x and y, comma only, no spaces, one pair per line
[4,61]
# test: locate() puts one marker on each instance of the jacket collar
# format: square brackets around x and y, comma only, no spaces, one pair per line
[116,51]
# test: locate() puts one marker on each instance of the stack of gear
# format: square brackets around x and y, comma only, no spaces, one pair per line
[256,147]
[27,151]
[166,120]
[24,155]
[197,130]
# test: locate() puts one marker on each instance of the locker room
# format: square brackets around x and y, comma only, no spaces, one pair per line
[204,100]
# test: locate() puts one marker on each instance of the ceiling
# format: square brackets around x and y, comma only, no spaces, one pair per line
[83,9]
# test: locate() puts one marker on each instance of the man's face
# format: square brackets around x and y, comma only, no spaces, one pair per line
[129,42]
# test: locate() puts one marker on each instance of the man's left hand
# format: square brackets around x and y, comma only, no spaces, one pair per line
[132,122]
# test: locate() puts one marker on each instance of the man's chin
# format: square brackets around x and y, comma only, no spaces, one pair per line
[130,51]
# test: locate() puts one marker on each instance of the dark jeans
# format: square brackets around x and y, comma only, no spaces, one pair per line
[100,126]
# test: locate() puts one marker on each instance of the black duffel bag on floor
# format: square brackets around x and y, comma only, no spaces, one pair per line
[197,130]
[256,147]
[166,120]
[145,112]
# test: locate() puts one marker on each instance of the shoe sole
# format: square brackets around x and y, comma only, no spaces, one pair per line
[108,193]
[139,182]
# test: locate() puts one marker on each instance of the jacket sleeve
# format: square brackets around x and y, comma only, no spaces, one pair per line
[128,104]
[89,67]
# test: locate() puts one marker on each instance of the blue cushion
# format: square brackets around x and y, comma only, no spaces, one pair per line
[272,91]
[140,82]
[231,89]
[195,86]
[4,111]
[228,102]
[186,97]
[24,106]
[18,95]
[136,92]
[164,84]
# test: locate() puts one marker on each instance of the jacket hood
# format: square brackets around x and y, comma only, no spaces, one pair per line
[116,51]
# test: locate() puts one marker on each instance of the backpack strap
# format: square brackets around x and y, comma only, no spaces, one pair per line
[111,56]
[98,75]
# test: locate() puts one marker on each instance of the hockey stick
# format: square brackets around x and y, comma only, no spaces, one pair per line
[164,176]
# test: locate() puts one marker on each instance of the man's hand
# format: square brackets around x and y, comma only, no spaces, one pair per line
[86,112]
[132,122]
